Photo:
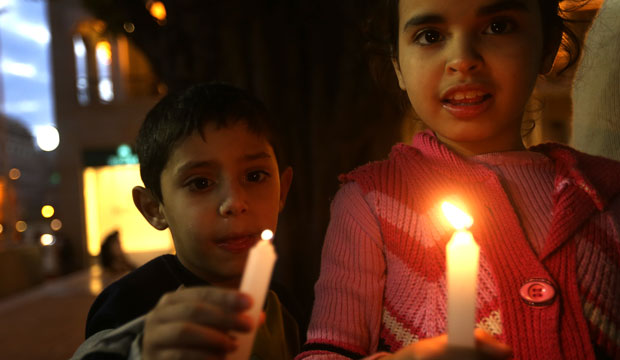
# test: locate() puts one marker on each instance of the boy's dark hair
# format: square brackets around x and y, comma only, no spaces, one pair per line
[179,115]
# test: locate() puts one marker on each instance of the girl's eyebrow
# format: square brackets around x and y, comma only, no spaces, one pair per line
[424,19]
[499,6]
[503,5]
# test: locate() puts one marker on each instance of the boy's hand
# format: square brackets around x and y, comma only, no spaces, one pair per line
[195,323]
[487,348]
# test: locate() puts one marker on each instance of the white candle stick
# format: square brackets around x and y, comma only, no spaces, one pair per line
[462,255]
[255,282]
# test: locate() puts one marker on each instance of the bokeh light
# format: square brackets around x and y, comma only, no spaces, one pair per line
[129,27]
[47,137]
[21,226]
[157,10]
[47,211]
[15,174]
[47,239]
[56,224]
[1,228]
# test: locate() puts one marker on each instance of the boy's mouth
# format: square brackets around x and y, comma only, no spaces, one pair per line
[237,244]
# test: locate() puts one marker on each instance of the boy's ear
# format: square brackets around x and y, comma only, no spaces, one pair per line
[399,75]
[550,50]
[148,205]
[286,178]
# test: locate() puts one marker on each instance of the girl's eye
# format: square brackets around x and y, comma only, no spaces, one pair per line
[428,37]
[199,184]
[499,27]
[256,176]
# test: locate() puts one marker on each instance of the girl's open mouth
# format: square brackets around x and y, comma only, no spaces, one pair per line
[467,104]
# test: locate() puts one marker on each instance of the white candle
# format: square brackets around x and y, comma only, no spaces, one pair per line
[255,282]
[462,255]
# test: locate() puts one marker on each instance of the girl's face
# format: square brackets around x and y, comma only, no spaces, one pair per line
[469,67]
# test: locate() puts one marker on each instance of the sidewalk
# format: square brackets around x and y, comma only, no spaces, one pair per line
[47,322]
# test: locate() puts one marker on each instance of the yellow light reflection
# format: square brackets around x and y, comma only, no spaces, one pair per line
[157,10]
[14,174]
[47,239]
[1,228]
[56,224]
[104,52]
[47,211]
[21,226]
[95,284]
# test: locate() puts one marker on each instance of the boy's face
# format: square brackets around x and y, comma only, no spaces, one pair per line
[220,191]
[469,67]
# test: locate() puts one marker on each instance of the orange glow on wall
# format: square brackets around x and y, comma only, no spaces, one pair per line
[109,206]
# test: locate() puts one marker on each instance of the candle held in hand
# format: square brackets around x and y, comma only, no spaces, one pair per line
[462,255]
[255,282]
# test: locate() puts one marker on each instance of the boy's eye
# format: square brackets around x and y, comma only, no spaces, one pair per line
[499,27]
[256,176]
[198,184]
[428,37]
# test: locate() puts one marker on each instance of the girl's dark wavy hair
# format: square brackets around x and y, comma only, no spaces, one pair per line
[381,32]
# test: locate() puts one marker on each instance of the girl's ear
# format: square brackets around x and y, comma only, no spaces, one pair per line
[399,75]
[148,205]
[550,50]
[286,178]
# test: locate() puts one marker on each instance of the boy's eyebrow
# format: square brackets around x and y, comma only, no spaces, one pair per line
[194,164]
[257,156]
[498,6]
[210,164]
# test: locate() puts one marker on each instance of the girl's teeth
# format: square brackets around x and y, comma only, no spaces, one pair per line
[467,95]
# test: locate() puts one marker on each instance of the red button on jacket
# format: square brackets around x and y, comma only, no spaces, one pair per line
[537,292]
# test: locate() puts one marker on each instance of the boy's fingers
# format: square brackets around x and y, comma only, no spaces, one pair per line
[202,313]
[188,335]
[225,298]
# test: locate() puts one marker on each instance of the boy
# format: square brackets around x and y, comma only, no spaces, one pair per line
[208,163]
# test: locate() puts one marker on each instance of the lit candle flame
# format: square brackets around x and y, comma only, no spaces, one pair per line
[266,234]
[458,218]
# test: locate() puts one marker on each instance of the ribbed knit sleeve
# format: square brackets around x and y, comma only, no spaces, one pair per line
[346,317]
[596,89]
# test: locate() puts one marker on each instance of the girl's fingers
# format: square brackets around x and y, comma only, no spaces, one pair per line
[490,346]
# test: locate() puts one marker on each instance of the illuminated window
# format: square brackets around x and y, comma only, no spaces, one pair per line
[103,52]
[81,70]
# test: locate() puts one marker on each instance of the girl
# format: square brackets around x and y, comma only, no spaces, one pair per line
[545,218]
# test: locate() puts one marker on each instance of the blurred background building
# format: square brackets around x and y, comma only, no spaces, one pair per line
[78,76]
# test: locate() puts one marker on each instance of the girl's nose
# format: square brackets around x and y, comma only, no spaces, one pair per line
[233,203]
[464,58]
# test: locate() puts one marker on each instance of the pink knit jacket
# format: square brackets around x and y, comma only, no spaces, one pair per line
[382,282]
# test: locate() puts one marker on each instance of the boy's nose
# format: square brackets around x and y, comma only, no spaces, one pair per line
[464,57]
[232,204]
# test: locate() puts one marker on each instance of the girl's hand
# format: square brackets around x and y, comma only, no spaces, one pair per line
[195,323]
[487,347]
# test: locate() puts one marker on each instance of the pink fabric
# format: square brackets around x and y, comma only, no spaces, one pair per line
[382,283]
